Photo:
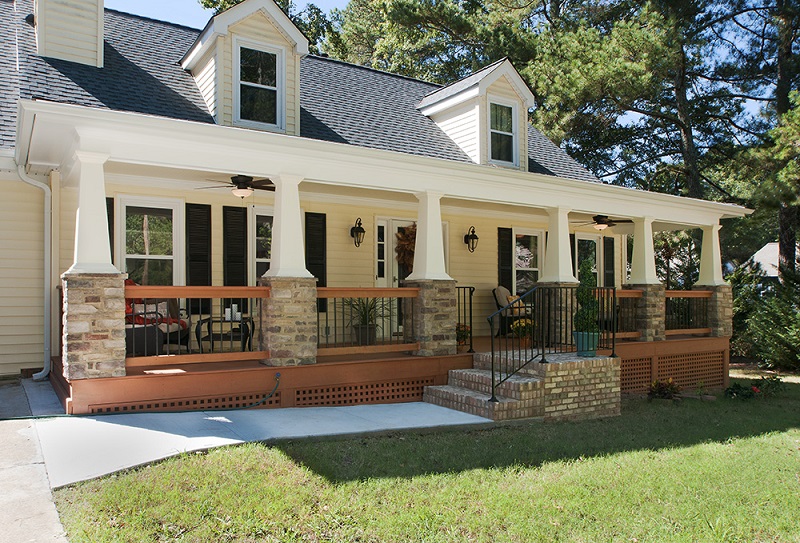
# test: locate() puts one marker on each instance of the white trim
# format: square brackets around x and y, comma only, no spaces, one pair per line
[490,99]
[122,201]
[451,101]
[100,53]
[253,211]
[515,80]
[280,83]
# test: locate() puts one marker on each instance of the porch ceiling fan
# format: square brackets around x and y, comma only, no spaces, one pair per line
[601,222]
[243,185]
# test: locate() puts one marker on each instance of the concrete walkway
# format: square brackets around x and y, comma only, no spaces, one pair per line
[39,454]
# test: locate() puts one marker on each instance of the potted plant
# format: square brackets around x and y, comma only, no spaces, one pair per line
[364,316]
[586,329]
[523,329]
[463,333]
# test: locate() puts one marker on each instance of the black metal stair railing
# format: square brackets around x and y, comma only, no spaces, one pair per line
[464,328]
[539,323]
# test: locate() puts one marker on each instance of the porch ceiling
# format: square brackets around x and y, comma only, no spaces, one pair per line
[49,134]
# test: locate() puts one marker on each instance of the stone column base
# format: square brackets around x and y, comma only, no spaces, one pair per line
[650,311]
[720,310]
[94,325]
[433,317]
[288,324]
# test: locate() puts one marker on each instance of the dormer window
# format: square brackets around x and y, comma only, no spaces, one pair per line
[259,86]
[502,134]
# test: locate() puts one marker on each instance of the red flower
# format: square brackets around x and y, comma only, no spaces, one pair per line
[756,390]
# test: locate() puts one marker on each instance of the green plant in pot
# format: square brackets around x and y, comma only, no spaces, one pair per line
[365,314]
[586,330]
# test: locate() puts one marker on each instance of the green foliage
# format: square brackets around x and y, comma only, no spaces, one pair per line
[775,325]
[585,319]
[747,283]
[663,390]
[764,387]
[463,333]
[522,327]
[365,311]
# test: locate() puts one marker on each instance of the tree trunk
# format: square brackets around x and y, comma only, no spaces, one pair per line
[688,149]
[787,214]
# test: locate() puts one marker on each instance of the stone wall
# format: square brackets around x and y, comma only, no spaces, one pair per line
[289,321]
[432,318]
[720,310]
[650,309]
[94,325]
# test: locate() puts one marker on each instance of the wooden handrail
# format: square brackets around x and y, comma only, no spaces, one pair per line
[688,294]
[629,293]
[142,291]
[369,292]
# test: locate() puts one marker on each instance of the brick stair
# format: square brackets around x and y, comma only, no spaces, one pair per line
[468,391]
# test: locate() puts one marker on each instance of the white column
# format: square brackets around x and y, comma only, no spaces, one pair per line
[558,259]
[429,247]
[643,266]
[710,258]
[288,258]
[92,246]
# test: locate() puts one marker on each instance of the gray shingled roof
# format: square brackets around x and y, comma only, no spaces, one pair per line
[457,86]
[339,102]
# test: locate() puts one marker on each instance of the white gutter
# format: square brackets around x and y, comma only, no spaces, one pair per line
[48,220]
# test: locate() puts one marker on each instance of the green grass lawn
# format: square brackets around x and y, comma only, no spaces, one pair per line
[717,471]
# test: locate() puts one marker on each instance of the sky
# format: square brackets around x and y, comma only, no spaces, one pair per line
[190,12]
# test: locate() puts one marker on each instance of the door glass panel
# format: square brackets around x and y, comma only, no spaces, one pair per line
[526,262]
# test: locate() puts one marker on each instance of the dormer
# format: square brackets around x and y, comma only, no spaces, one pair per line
[70,30]
[246,63]
[486,115]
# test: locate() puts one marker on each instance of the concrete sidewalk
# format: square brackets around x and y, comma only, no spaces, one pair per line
[39,454]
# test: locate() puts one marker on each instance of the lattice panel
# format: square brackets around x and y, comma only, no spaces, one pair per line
[635,374]
[385,392]
[690,370]
[238,401]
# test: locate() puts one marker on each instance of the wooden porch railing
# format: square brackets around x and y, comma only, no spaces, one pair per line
[365,320]
[192,325]
[686,312]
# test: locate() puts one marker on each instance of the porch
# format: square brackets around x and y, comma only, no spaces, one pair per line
[350,369]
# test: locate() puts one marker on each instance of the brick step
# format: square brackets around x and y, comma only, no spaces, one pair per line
[517,387]
[483,361]
[477,403]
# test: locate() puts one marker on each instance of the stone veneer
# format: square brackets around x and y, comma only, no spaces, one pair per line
[93,325]
[720,310]
[289,317]
[433,317]
[650,310]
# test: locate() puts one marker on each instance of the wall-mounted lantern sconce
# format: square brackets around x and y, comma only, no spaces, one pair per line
[357,233]
[471,239]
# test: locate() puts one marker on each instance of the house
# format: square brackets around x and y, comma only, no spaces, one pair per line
[229,164]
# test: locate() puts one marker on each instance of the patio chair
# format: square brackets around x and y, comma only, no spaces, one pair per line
[502,297]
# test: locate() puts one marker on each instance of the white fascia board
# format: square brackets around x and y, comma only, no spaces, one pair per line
[452,101]
[157,141]
[204,42]
[507,69]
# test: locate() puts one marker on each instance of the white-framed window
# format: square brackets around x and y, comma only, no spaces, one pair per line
[503,132]
[259,85]
[259,235]
[528,250]
[150,239]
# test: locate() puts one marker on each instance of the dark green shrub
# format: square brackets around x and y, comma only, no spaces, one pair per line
[663,390]
[585,319]
[775,326]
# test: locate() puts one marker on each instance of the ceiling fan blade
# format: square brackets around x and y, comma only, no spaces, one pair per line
[216,187]
[263,184]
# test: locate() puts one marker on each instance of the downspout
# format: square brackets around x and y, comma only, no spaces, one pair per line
[48,237]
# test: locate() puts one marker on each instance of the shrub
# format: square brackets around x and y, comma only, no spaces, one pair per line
[586,316]
[765,387]
[522,328]
[775,326]
[462,333]
[664,390]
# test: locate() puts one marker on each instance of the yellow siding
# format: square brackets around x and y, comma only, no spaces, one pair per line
[461,125]
[503,89]
[21,277]
[206,77]
[70,30]
[259,28]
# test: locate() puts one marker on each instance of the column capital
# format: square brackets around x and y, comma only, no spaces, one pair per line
[90,157]
[711,257]
[286,179]
[558,258]
[288,247]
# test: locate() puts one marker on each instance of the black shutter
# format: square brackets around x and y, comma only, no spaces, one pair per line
[110,213]
[505,258]
[572,256]
[316,250]
[198,252]
[234,246]
[608,262]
